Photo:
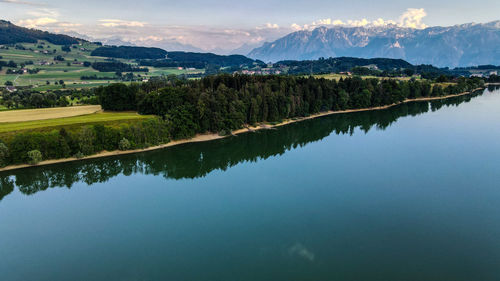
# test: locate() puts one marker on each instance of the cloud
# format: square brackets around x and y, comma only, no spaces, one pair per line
[268,26]
[412,18]
[382,22]
[49,23]
[68,24]
[38,22]
[121,23]
[207,38]
[22,3]
[43,12]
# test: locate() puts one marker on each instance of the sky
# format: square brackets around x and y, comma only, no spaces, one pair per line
[223,26]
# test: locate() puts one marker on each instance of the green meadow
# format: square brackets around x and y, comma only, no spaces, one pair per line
[70,70]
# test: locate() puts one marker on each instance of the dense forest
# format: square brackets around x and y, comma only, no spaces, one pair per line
[201,60]
[126,52]
[493,79]
[216,104]
[225,102]
[344,64]
[25,98]
[186,162]
[377,67]
[12,34]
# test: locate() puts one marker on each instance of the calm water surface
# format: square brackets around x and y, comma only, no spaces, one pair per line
[409,193]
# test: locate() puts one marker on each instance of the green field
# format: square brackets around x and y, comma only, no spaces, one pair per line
[172,70]
[96,118]
[55,71]
[335,76]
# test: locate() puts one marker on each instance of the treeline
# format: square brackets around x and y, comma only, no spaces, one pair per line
[172,63]
[378,67]
[95,77]
[21,71]
[213,104]
[480,67]
[223,103]
[28,98]
[493,79]
[127,52]
[201,60]
[81,141]
[185,162]
[116,66]
[7,64]
[330,65]
[425,71]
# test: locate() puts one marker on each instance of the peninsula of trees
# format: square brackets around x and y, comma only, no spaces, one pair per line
[186,163]
[215,104]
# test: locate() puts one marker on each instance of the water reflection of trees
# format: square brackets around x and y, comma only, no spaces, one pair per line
[197,160]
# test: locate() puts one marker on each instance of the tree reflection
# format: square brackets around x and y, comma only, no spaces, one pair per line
[199,159]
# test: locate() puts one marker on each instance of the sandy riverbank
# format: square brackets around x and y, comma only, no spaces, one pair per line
[210,137]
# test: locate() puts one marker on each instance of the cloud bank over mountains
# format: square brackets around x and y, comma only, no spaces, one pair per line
[412,18]
[198,38]
[183,37]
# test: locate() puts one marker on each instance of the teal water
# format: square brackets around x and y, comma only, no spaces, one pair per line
[408,193]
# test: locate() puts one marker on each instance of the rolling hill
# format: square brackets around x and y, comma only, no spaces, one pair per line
[13,34]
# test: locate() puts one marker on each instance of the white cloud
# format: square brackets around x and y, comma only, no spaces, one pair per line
[296,27]
[18,2]
[121,23]
[68,24]
[382,22]
[43,12]
[268,26]
[49,23]
[38,22]
[207,38]
[412,18]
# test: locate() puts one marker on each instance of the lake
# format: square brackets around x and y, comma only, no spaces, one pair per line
[407,193]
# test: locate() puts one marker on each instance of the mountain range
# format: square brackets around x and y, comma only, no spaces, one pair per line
[455,46]
[459,45]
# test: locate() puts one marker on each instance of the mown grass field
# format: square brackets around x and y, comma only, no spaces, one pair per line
[69,77]
[46,113]
[108,118]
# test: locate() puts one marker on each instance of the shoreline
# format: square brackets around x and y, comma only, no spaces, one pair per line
[212,136]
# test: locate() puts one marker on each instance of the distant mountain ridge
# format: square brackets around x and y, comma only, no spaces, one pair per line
[129,52]
[459,45]
[157,57]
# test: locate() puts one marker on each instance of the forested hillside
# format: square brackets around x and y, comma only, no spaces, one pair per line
[126,52]
[360,66]
[12,34]
[201,60]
